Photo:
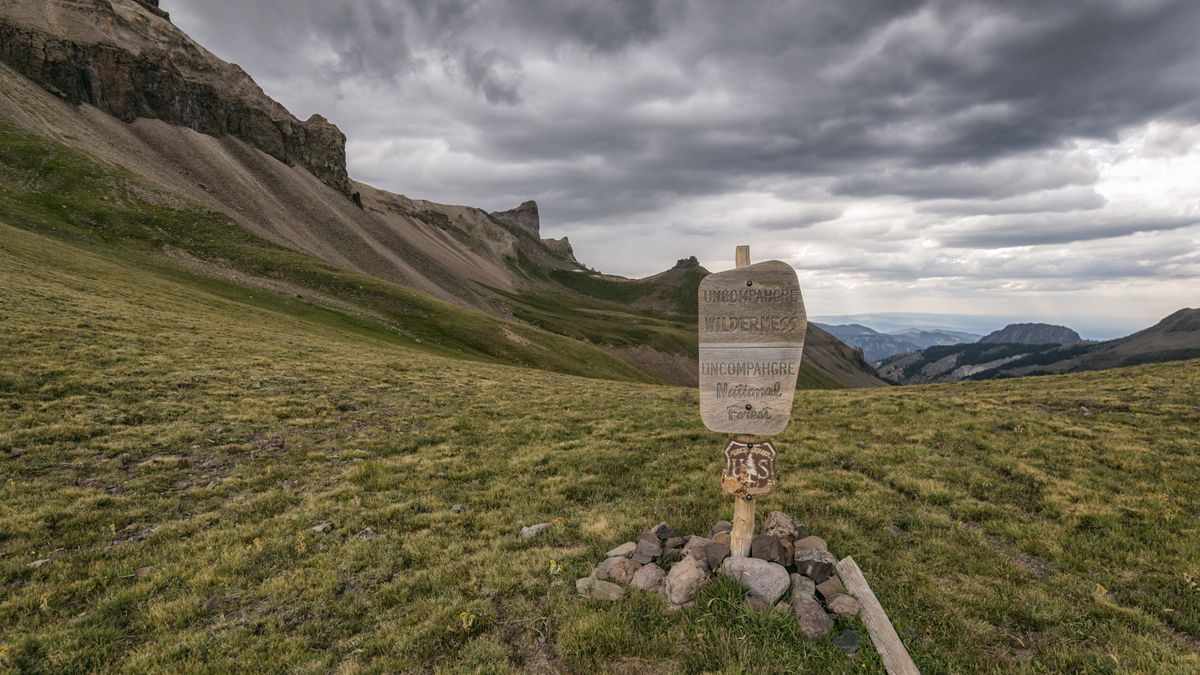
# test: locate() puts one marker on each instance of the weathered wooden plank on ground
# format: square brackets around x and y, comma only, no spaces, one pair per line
[891,650]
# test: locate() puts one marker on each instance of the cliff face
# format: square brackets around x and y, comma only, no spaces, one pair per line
[1032,334]
[126,58]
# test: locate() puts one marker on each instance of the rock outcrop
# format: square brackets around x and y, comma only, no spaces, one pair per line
[126,58]
[1032,334]
[524,218]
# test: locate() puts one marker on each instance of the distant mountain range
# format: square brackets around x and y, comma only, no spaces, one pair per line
[1174,338]
[1090,327]
[877,346]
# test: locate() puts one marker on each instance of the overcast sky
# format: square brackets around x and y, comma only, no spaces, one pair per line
[1021,158]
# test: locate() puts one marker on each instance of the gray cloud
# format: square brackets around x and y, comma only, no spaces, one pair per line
[961,124]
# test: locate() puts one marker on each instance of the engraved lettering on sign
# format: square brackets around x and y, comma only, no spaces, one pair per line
[748,368]
[725,390]
[753,295]
[752,326]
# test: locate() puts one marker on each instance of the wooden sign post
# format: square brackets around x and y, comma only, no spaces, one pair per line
[752,326]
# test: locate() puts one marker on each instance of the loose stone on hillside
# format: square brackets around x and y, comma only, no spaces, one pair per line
[670,557]
[648,578]
[664,531]
[847,641]
[599,589]
[648,548]
[815,563]
[812,542]
[721,526]
[622,551]
[534,530]
[767,580]
[695,547]
[684,579]
[780,524]
[757,604]
[802,585]
[844,606]
[620,570]
[813,621]
[830,587]
[675,542]
[768,547]
[323,528]
[715,553]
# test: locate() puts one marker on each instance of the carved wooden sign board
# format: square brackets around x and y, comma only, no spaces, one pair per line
[752,326]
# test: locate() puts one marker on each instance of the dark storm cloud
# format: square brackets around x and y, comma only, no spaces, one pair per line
[1024,230]
[622,114]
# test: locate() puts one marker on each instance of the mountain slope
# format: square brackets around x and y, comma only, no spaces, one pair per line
[1177,337]
[169,443]
[877,346]
[258,171]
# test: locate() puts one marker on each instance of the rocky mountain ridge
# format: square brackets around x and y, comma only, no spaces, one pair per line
[125,57]
[181,129]
[1032,334]
[877,346]
[1176,337]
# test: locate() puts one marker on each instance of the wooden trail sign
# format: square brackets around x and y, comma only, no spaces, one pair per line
[752,326]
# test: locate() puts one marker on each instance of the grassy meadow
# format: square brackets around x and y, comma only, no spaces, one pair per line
[167,444]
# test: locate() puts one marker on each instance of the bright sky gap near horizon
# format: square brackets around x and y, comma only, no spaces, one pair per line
[1020,158]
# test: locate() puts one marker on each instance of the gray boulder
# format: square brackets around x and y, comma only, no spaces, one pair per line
[770,548]
[780,524]
[620,570]
[714,554]
[622,551]
[648,548]
[814,563]
[721,526]
[844,606]
[684,580]
[813,621]
[802,585]
[812,542]
[598,589]
[648,578]
[769,581]
[534,530]
[664,531]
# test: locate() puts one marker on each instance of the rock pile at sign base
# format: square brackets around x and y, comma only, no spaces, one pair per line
[785,563]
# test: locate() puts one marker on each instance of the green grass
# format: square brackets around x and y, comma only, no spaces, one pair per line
[48,188]
[168,445]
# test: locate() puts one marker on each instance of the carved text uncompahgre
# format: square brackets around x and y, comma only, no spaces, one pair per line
[751,295]
[748,368]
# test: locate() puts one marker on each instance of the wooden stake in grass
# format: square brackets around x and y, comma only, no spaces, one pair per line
[743,512]
[743,505]
[891,650]
[752,326]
